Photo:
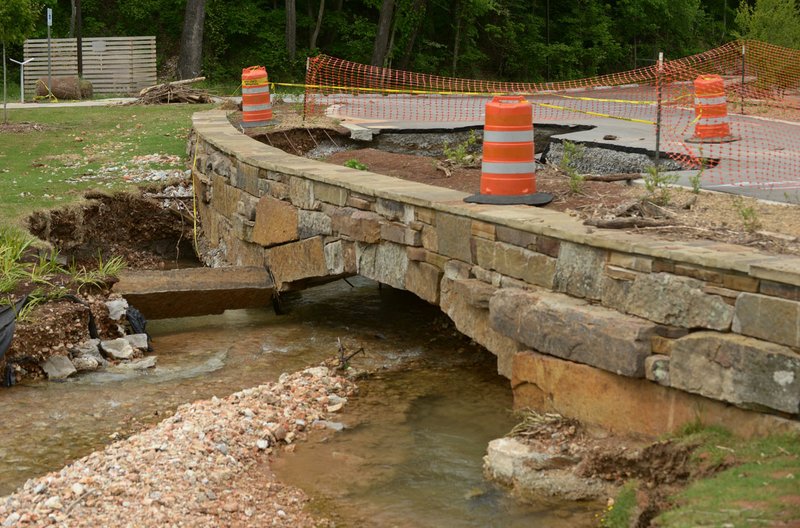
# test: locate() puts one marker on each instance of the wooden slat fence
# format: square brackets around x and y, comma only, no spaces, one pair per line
[114,65]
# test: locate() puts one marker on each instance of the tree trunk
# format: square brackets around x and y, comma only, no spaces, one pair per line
[5,104]
[72,19]
[313,42]
[291,28]
[420,6]
[79,36]
[457,39]
[381,48]
[190,60]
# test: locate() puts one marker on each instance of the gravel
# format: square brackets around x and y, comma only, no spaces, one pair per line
[207,465]
[595,160]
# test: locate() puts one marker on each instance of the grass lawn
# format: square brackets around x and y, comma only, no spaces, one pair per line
[80,148]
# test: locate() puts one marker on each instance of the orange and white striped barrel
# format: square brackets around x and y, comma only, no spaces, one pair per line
[508,166]
[711,109]
[256,107]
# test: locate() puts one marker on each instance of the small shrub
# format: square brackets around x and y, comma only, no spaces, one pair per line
[747,213]
[460,154]
[658,185]
[355,164]
[573,152]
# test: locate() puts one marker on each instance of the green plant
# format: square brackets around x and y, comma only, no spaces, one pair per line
[658,185]
[100,275]
[573,152]
[355,164]
[461,154]
[618,513]
[747,213]
[696,179]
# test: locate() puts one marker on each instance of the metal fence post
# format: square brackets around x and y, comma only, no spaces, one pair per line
[659,80]
[743,68]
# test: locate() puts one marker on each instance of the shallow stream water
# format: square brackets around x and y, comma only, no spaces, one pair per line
[416,433]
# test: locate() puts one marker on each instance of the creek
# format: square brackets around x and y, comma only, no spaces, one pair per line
[411,453]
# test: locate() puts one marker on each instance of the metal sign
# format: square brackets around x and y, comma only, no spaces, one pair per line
[49,17]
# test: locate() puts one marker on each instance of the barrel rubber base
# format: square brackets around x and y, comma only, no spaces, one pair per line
[537,199]
[255,124]
[725,139]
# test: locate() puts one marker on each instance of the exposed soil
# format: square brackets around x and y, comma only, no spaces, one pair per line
[141,230]
[661,468]
[138,229]
[18,128]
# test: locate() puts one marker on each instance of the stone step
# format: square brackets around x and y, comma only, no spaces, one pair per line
[195,291]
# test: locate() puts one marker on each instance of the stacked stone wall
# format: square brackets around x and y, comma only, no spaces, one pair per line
[579,319]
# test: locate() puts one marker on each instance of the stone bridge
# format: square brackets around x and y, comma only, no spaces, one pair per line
[616,329]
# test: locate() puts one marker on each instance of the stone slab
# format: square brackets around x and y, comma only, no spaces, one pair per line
[453,235]
[474,322]
[768,318]
[746,372]
[513,261]
[276,222]
[385,262]
[572,329]
[627,405]
[668,299]
[298,260]
[578,271]
[195,291]
[423,280]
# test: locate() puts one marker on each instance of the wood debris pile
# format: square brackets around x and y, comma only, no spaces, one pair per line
[174,92]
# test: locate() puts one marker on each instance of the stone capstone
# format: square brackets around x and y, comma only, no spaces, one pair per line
[572,329]
[668,299]
[276,222]
[58,367]
[741,370]
[386,263]
[769,318]
[578,271]
[474,322]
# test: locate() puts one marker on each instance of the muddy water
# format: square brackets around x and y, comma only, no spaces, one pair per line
[412,451]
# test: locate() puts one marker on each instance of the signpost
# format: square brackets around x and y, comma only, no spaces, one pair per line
[21,77]
[49,57]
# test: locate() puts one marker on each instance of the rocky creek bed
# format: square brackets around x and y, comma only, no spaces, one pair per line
[198,467]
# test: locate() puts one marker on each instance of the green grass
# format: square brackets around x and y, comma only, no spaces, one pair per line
[35,166]
[763,488]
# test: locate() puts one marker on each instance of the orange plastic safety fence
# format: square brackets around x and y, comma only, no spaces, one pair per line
[760,81]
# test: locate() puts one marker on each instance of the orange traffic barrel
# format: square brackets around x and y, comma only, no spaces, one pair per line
[508,171]
[712,124]
[256,108]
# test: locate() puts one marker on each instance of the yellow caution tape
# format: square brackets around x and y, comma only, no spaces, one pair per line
[626,101]
[484,94]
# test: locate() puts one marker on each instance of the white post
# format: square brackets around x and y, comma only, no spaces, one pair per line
[5,108]
[21,77]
